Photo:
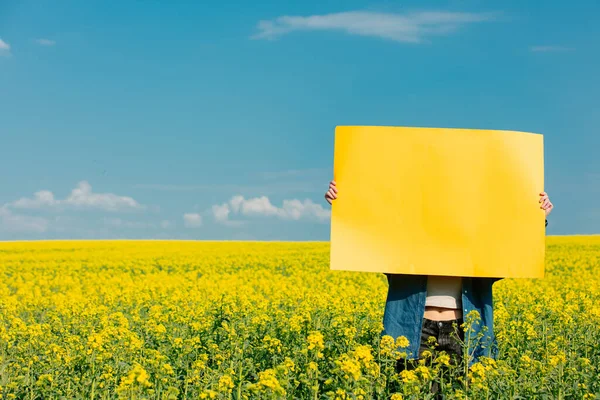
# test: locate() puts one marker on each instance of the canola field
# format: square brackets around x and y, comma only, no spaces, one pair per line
[240,320]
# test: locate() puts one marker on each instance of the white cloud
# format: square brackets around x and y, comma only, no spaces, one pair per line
[409,27]
[192,220]
[236,203]
[262,207]
[221,212]
[81,197]
[548,49]
[256,206]
[21,223]
[165,224]
[4,48]
[40,199]
[296,209]
[45,42]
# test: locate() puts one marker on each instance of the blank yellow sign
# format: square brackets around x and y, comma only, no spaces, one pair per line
[428,201]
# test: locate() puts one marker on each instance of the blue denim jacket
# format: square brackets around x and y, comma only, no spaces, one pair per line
[405,306]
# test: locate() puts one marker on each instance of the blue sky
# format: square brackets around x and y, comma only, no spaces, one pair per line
[156,119]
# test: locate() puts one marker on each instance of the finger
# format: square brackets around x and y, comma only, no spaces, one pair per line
[332,194]
[546,203]
[333,187]
[543,198]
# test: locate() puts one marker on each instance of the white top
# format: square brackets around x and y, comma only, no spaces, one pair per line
[444,291]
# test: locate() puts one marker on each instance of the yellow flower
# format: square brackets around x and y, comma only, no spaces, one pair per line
[160,328]
[363,354]
[408,376]
[268,381]
[351,367]
[443,359]
[315,341]
[44,378]
[424,372]
[225,383]
[477,375]
[214,310]
[402,342]
[168,369]
[136,376]
[288,365]
[558,359]
[387,348]
[585,361]
[209,394]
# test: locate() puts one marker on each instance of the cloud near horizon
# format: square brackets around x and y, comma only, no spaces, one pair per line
[10,222]
[13,220]
[262,207]
[81,197]
[412,27]
[192,220]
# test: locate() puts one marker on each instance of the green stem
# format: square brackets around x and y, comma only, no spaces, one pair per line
[239,389]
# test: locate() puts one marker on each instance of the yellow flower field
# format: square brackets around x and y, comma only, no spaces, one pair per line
[232,320]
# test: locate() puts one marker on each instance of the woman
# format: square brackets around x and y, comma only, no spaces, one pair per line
[420,306]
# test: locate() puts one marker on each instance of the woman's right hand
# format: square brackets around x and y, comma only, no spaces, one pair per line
[331,193]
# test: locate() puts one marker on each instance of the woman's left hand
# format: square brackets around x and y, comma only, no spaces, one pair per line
[546,204]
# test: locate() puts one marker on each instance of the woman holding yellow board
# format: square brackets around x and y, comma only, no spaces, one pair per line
[420,306]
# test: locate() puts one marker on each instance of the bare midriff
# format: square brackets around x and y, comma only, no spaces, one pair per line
[442,314]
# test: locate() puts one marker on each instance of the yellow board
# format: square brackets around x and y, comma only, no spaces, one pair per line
[429,201]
